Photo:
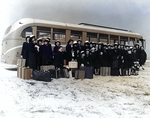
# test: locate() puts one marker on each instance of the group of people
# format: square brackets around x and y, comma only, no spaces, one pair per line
[40,52]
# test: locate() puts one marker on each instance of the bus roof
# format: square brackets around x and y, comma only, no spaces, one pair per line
[80,27]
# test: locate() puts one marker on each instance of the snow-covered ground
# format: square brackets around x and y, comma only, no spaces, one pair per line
[101,97]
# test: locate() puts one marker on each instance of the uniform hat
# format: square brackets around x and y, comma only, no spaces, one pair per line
[79,40]
[86,41]
[116,44]
[31,36]
[46,40]
[104,44]
[131,47]
[137,44]
[100,43]
[39,39]
[75,42]
[49,39]
[27,37]
[82,52]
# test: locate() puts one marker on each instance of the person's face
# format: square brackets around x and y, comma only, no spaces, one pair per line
[57,43]
[45,42]
[71,43]
[28,39]
[99,46]
[96,46]
[33,40]
[142,48]
[40,42]
[79,42]
[137,46]
[83,55]
[87,52]
[115,47]
[60,49]
[127,47]
[91,45]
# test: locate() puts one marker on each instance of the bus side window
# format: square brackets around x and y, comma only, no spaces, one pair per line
[26,32]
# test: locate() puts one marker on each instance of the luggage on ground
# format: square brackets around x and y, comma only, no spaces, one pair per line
[19,72]
[73,64]
[26,73]
[115,72]
[21,62]
[47,67]
[104,71]
[73,71]
[79,74]
[101,70]
[88,72]
[53,73]
[41,76]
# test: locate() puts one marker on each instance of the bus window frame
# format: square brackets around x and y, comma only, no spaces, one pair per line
[23,31]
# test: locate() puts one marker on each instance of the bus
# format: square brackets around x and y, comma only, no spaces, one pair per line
[15,35]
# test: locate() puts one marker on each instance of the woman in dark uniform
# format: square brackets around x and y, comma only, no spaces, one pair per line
[58,58]
[47,54]
[69,50]
[39,55]
[57,46]
[25,50]
[32,53]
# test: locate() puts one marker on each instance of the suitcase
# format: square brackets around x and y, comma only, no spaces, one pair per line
[57,73]
[41,76]
[47,67]
[114,72]
[88,72]
[73,64]
[61,73]
[107,71]
[21,62]
[19,72]
[97,71]
[76,74]
[79,74]
[73,71]
[101,70]
[66,73]
[104,71]
[53,73]
[26,73]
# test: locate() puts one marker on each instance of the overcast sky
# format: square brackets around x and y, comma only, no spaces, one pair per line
[132,15]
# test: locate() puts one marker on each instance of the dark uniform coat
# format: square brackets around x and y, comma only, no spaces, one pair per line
[68,53]
[58,60]
[25,52]
[47,54]
[32,56]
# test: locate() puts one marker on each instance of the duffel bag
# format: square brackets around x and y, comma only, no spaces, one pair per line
[41,76]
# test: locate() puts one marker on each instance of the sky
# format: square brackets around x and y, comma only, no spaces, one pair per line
[132,15]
